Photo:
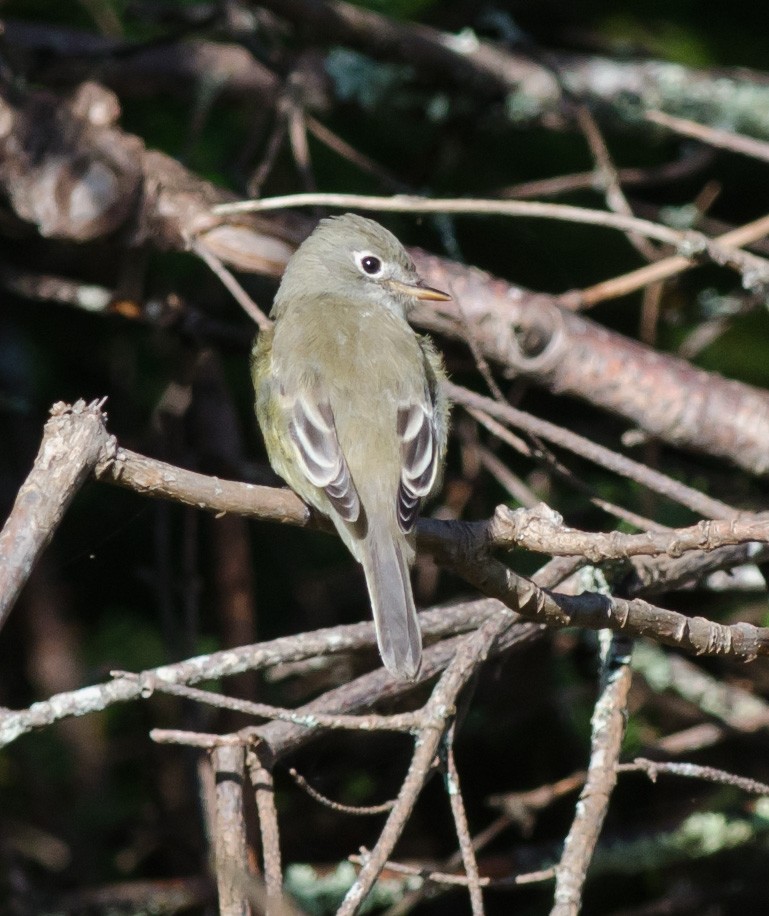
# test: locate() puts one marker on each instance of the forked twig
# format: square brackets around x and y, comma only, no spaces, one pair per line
[439,710]
[608,176]
[660,270]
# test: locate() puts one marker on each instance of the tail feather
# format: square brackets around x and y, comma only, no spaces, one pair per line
[395,617]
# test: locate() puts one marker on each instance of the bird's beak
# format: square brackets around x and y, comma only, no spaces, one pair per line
[418,291]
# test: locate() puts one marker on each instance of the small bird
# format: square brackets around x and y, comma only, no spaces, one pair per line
[351,408]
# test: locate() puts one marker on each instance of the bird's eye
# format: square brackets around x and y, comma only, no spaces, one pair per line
[369,263]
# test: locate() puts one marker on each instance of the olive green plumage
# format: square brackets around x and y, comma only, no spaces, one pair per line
[351,407]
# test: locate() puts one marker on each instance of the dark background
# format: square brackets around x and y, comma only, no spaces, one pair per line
[129,583]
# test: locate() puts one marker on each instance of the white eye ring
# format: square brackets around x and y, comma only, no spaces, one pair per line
[369,264]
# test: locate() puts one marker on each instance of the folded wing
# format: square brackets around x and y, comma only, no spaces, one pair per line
[419,459]
[313,432]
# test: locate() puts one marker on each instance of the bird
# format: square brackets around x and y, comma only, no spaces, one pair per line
[350,402]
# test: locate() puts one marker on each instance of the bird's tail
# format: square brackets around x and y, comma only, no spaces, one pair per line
[395,617]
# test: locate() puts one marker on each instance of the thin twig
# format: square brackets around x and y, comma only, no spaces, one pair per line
[357,810]
[608,728]
[653,768]
[297,138]
[551,463]
[480,360]
[274,143]
[460,822]
[228,279]
[264,792]
[376,687]
[654,480]
[519,491]
[669,172]
[340,146]
[608,176]
[660,270]
[410,900]
[97,697]
[439,708]
[695,738]
[400,722]
[713,136]
[735,706]
[203,740]
[693,243]
[450,880]
[425,873]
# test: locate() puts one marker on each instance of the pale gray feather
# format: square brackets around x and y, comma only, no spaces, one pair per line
[395,617]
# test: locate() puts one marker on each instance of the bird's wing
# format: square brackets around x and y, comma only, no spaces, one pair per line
[313,432]
[420,457]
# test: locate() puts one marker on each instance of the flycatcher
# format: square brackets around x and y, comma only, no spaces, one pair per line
[350,404]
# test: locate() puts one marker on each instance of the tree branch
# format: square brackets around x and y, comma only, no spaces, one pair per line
[75,440]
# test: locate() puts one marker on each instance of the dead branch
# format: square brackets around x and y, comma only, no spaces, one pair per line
[357,810]
[282,738]
[523,332]
[66,56]
[736,707]
[233,661]
[608,728]
[660,270]
[543,530]
[653,768]
[398,722]
[457,544]
[619,90]
[264,790]
[70,146]
[74,441]
[754,269]
[466,849]
[634,470]
[634,617]
[673,171]
[667,397]
[160,480]
[723,139]
[438,712]
[68,172]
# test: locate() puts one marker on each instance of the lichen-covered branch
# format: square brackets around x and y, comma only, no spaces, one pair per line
[608,727]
